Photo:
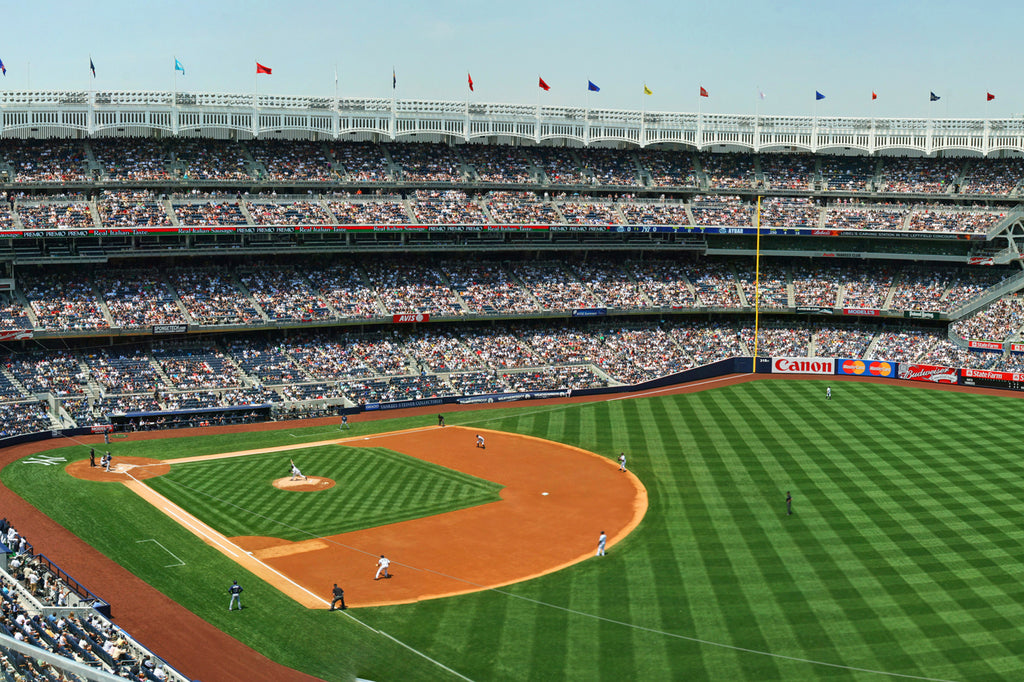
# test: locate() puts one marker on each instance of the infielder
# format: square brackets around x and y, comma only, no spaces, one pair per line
[622,461]
[601,540]
[382,567]
[480,441]
[296,474]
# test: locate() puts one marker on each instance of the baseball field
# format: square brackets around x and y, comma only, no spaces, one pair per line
[903,556]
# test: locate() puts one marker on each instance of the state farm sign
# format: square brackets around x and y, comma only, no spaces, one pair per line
[804,365]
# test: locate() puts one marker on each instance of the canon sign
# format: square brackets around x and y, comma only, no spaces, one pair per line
[804,365]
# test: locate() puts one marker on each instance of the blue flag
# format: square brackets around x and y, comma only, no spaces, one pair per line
[92,67]
[178,66]
[592,87]
[818,95]
[933,97]
[2,67]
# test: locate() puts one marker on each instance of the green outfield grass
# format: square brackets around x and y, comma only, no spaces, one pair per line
[375,486]
[904,555]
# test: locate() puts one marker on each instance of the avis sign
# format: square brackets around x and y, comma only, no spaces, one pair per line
[803,366]
[410,317]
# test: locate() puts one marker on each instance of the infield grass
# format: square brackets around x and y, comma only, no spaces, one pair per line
[904,555]
[375,486]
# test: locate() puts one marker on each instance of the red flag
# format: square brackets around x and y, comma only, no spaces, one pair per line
[262,69]
[989,97]
[874,95]
[470,76]
[543,86]
[703,92]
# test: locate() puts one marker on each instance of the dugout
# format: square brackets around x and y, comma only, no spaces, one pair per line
[181,419]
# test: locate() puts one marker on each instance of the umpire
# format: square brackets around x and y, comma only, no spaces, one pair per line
[339,596]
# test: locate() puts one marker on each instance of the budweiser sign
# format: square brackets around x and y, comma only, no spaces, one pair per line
[15,334]
[804,365]
[933,373]
[411,317]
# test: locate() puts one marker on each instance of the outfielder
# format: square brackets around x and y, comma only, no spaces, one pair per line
[601,540]
[236,596]
[382,567]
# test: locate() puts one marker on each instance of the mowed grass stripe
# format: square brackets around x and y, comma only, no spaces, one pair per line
[375,486]
[914,593]
[870,571]
[760,522]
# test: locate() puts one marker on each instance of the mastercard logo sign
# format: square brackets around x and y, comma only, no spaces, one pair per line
[875,369]
[853,367]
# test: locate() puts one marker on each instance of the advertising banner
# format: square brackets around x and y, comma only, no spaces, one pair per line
[991,379]
[869,368]
[986,346]
[15,334]
[869,312]
[933,373]
[803,365]
[921,314]
[589,312]
[1017,348]
[170,328]
[410,317]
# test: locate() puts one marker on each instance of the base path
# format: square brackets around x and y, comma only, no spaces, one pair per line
[555,501]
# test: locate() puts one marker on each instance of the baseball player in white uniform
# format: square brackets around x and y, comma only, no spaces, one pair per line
[296,474]
[382,567]
[480,441]
[622,461]
[602,539]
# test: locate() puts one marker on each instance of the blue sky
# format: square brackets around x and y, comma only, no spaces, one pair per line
[901,50]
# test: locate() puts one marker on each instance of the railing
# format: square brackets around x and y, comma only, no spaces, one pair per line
[61,113]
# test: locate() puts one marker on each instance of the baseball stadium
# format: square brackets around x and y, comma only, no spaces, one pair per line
[429,352]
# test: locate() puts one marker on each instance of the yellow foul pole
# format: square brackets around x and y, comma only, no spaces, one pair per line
[757,279]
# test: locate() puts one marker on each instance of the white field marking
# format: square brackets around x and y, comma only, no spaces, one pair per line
[201,532]
[180,562]
[286,448]
[205,532]
[731,647]
[439,664]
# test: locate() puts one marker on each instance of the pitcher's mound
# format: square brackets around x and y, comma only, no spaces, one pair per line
[308,484]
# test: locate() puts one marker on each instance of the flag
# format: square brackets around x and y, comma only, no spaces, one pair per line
[647,90]
[874,95]
[92,67]
[2,67]
[762,95]
[394,78]
[818,95]
[542,85]
[470,76]
[988,95]
[592,87]
[178,66]
[703,92]
[932,97]
[262,69]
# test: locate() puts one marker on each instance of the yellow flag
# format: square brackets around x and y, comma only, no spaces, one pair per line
[647,90]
